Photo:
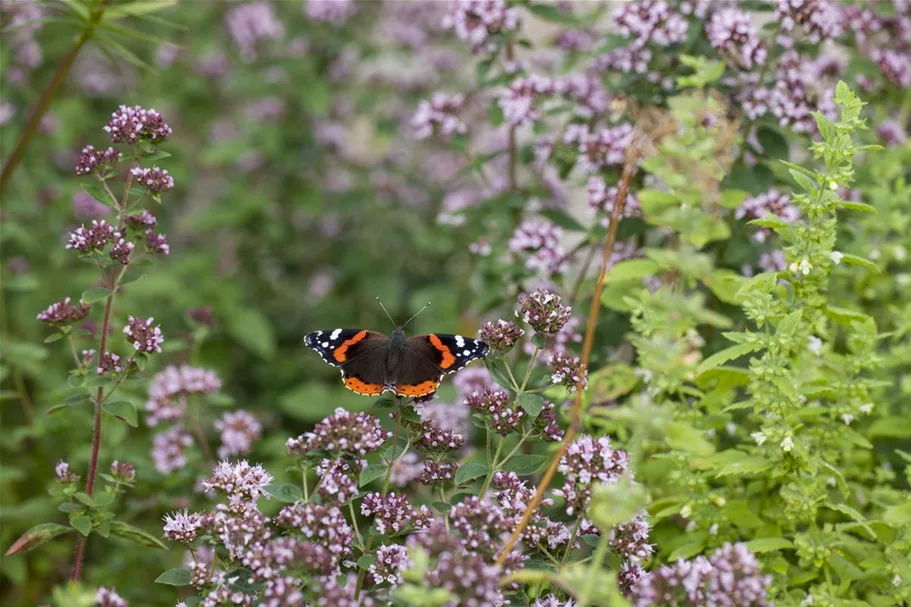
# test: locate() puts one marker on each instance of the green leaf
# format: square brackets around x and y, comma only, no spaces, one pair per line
[251,329]
[551,13]
[898,515]
[725,285]
[366,560]
[732,199]
[36,536]
[855,206]
[653,201]
[85,499]
[773,142]
[631,269]
[532,403]
[854,260]
[539,340]
[287,493]
[470,471]
[136,535]
[98,193]
[371,473]
[525,464]
[807,184]
[890,427]
[769,544]
[175,577]
[563,219]
[853,515]
[728,354]
[844,316]
[123,410]
[94,294]
[789,324]
[615,503]
[686,438]
[53,337]
[81,523]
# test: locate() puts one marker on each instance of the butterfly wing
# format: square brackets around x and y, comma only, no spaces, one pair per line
[361,354]
[427,358]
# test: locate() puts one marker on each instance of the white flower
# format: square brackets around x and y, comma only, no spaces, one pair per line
[787,444]
[804,267]
[814,344]
[833,185]
[836,257]
[759,437]
[713,530]
[847,418]
[897,580]
[900,253]
[866,408]
[686,511]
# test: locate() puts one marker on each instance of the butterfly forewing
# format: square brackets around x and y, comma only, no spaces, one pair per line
[361,354]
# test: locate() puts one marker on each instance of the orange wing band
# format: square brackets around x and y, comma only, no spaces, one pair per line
[421,389]
[448,358]
[341,353]
[359,387]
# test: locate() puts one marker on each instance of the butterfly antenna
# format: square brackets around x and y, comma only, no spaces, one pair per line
[389,316]
[415,314]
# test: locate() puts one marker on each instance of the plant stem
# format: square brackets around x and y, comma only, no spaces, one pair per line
[531,364]
[493,466]
[44,102]
[593,571]
[633,154]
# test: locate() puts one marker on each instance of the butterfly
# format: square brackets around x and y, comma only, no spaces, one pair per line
[372,363]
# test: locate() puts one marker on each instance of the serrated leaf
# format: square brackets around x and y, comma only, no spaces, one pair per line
[807,184]
[123,410]
[525,464]
[532,403]
[853,515]
[371,473]
[95,294]
[287,493]
[175,577]
[769,544]
[36,536]
[789,324]
[136,535]
[470,471]
[854,260]
[728,354]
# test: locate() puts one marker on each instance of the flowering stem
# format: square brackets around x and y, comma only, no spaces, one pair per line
[493,466]
[357,532]
[69,338]
[572,540]
[201,437]
[66,62]
[593,571]
[534,357]
[630,166]
[512,378]
[304,477]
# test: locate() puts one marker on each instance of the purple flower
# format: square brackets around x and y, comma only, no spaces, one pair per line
[630,540]
[480,525]
[518,100]
[342,432]
[501,335]
[441,115]
[63,313]
[601,200]
[96,161]
[238,431]
[168,449]
[182,526]
[568,370]
[603,149]
[633,58]
[338,480]
[156,243]
[155,180]
[629,577]
[95,238]
[242,483]
[513,495]
[169,388]
[63,474]
[121,250]
[134,124]
[141,221]
[470,380]
[731,32]
[794,99]
[110,363]
[546,424]
[544,311]
[892,133]
[773,261]
[433,439]
[391,560]
[143,336]
[124,472]
[251,24]
[393,514]
[435,473]
[588,93]
[895,66]
[330,11]
[650,21]
[730,578]
[321,524]
[109,598]
[477,22]
[494,405]
[772,202]
[539,240]
[587,460]
[820,19]
[468,577]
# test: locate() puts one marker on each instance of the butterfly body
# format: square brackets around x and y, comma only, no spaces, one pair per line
[372,363]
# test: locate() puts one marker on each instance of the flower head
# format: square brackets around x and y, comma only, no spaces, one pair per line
[319,523]
[391,560]
[96,161]
[141,221]
[251,24]
[338,480]
[539,240]
[242,483]
[441,115]
[477,22]
[501,335]
[168,449]
[393,514]
[435,473]
[182,526]
[108,598]
[238,431]
[143,336]
[157,243]
[93,238]
[63,474]
[603,149]
[330,11]
[588,460]
[155,180]
[731,31]
[601,200]
[134,124]
[630,540]
[124,472]
[650,22]
[121,250]
[568,370]
[64,313]
[771,202]
[342,432]
[544,311]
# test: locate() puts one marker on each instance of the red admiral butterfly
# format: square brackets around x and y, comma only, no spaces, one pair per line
[373,363]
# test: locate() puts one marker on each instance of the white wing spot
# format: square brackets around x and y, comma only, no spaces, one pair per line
[325,344]
[466,352]
[334,335]
[460,341]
